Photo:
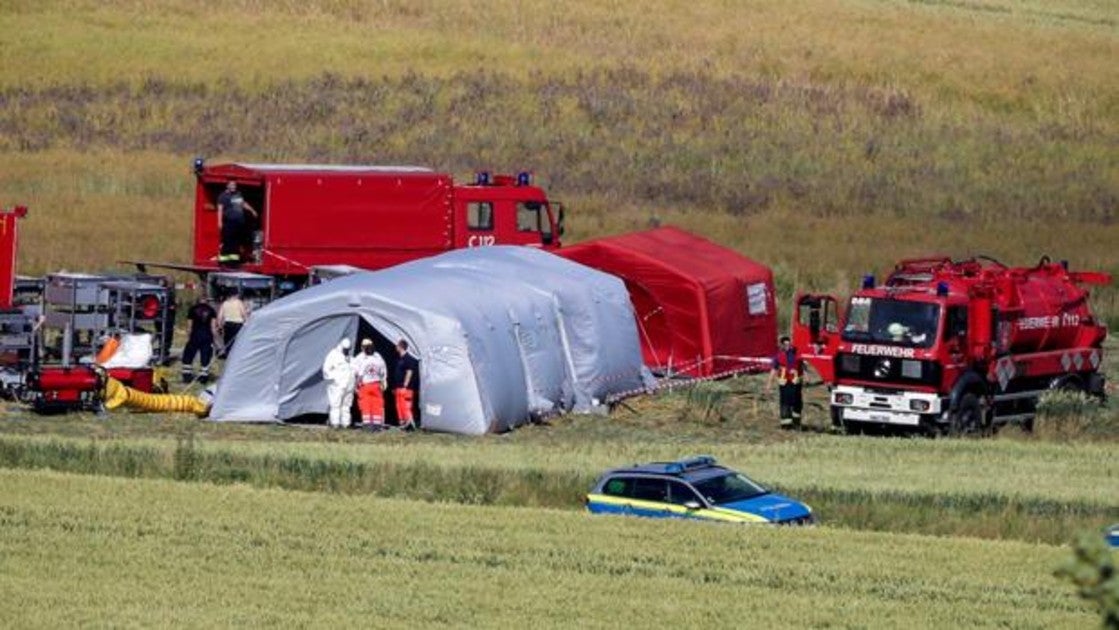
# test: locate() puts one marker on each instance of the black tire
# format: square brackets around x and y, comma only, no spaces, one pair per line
[1097,387]
[1071,385]
[967,419]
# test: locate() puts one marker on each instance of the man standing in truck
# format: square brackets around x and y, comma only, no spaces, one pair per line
[232,223]
[788,369]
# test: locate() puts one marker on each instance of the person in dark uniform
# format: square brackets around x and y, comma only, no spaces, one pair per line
[203,328]
[232,223]
[406,384]
[788,369]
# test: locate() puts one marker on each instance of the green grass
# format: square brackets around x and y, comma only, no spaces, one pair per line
[1062,470]
[1010,490]
[93,551]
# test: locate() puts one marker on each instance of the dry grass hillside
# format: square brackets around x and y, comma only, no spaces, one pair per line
[824,137]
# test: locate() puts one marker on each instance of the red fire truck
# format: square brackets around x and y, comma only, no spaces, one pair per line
[16,321]
[953,346]
[365,216]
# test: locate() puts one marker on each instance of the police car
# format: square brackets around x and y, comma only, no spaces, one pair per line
[693,488]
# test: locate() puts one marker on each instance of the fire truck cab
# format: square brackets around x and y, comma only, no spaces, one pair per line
[369,217]
[954,347]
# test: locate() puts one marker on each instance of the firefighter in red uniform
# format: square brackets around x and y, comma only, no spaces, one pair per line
[788,369]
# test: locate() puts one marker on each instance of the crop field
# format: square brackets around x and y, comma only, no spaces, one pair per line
[825,138]
[91,551]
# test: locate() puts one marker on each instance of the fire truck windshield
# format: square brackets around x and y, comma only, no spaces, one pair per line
[899,322]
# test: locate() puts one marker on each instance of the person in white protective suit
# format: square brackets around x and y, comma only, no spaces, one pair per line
[339,375]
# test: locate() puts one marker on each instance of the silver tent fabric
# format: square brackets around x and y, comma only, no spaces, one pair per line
[503,334]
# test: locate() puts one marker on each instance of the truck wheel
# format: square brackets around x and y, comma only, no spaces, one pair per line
[1071,384]
[837,420]
[968,417]
[1096,387]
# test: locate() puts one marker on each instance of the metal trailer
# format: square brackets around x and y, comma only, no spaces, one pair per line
[80,309]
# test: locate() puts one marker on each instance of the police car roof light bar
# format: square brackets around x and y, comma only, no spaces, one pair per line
[700,461]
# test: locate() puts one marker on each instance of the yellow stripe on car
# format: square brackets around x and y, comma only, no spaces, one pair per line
[713,514]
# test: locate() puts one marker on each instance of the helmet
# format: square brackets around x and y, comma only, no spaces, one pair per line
[366,342]
[345,344]
[896,329]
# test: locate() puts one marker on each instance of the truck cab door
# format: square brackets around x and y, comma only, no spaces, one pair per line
[815,332]
[534,224]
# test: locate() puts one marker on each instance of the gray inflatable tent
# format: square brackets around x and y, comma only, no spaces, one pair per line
[503,334]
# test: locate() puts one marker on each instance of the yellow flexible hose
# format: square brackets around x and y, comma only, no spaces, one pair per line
[118,394]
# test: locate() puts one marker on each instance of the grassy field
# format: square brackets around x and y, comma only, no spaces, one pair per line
[586,446]
[92,551]
[1006,489]
[827,138]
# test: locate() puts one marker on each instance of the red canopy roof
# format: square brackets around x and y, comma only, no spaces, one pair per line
[701,308]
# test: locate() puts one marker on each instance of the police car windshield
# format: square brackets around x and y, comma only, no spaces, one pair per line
[897,322]
[728,488]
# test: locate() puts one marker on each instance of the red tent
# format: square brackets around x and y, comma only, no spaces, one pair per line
[701,309]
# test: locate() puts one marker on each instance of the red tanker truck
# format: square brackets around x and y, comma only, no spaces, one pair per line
[368,217]
[953,347]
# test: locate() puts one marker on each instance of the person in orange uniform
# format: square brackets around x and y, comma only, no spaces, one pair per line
[372,377]
[788,369]
[406,382]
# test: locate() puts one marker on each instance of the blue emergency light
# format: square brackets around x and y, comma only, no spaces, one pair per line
[198,164]
[942,288]
[524,178]
[701,461]
[868,281]
[482,178]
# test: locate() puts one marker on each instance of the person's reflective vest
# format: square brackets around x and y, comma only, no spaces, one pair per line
[789,366]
